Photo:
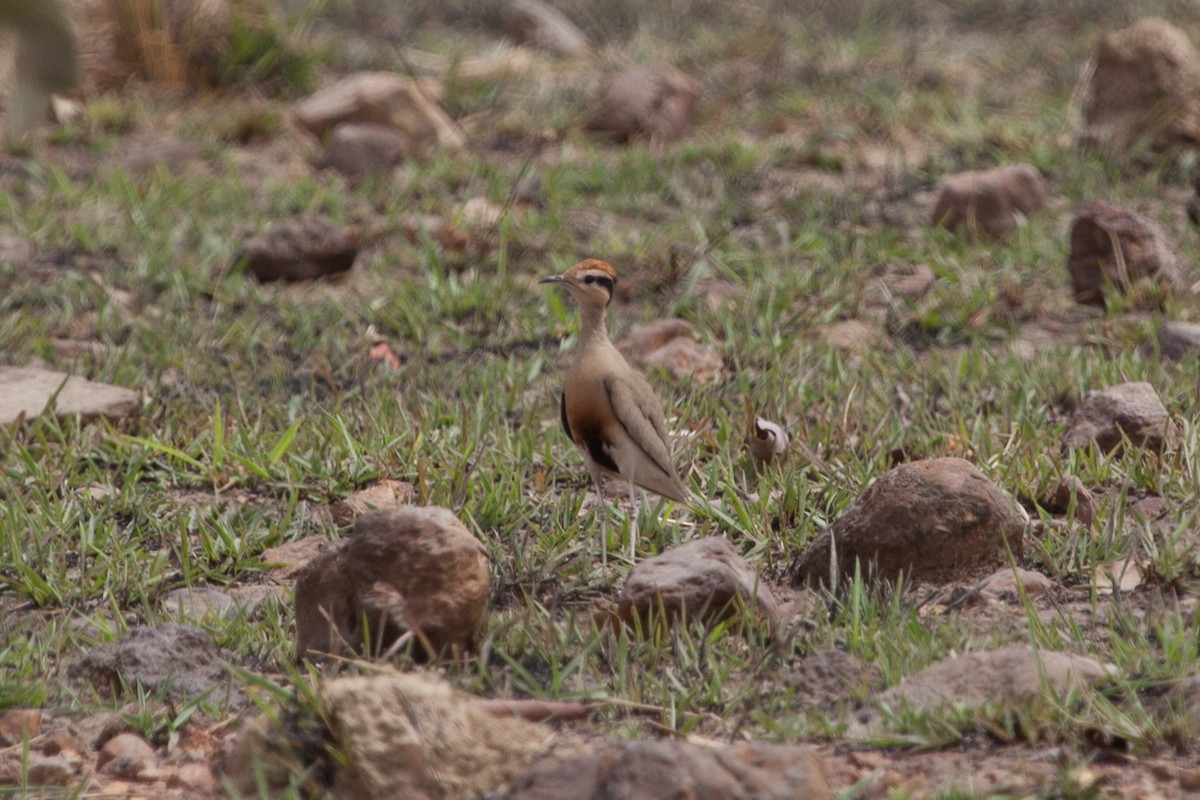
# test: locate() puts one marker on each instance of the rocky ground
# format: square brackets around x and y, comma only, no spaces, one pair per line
[262,536]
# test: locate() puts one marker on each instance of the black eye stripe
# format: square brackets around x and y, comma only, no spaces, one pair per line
[590,279]
[607,283]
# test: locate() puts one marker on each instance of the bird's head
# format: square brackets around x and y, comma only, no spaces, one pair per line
[590,282]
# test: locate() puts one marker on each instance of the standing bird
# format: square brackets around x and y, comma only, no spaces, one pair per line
[608,408]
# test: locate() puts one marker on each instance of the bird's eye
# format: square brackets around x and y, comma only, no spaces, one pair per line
[590,279]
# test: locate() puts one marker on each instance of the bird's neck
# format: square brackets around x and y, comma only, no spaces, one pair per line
[592,330]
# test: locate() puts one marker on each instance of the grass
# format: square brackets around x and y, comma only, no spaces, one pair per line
[261,406]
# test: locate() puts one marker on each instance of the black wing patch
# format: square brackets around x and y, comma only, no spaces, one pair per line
[562,409]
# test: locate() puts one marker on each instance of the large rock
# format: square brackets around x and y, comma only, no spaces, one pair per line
[361,149]
[648,769]
[1113,246]
[652,102]
[1178,340]
[937,519]
[1011,674]
[179,661]
[406,570]
[704,579]
[301,248]
[1107,417]
[26,392]
[404,736]
[381,98]
[1145,89]
[534,23]
[990,202]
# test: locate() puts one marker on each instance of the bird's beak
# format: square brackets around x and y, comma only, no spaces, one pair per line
[552,279]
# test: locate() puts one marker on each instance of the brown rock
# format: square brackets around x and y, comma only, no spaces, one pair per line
[289,558]
[1108,416]
[1145,89]
[668,769]
[534,23]
[991,201]
[1068,489]
[402,570]
[653,102]
[1111,245]
[51,771]
[27,393]
[930,520]
[1009,582]
[1178,340]
[195,602]
[414,736]
[19,724]
[917,284]
[193,777]
[126,755]
[385,494]
[645,339]
[704,579]
[177,660]
[301,248]
[360,149]
[852,336]
[17,250]
[686,358]
[1014,673]
[381,98]
[830,680]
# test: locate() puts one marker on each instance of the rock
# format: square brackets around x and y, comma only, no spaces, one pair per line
[829,680]
[1106,417]
[1178,340]
[403,736]
[301,248]
[534,23]
[381,98]
[360,149]
[1111,245]
[646,769]
[195,603]
[853,336]
[50,771]
[28,392]
[177,660]
[19,724]
[930,520]
[687,358]
[991,202]
[916,284]
[385,494]
[126,755]
[1006,582]
[405,570]
[1068,489]
[704,579]
[645,339]
[653,102]
[1145,89]
[197,779]
[1010,674]
[17,250]
[288,559]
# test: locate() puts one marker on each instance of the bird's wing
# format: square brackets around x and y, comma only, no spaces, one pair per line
[642,419]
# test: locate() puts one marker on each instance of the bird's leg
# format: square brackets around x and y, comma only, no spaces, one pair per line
[633,523]
[596,481]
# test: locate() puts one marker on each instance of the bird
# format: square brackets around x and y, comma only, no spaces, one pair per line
[608,408]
